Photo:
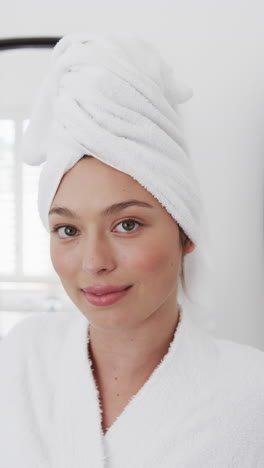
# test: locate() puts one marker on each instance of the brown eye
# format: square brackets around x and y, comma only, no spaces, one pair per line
[66,231]
[70,231]
[128,225]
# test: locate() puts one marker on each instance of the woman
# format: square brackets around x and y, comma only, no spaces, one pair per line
[131,381]
[131,256]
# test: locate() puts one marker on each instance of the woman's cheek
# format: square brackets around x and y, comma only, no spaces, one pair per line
[151,258]
[64,262]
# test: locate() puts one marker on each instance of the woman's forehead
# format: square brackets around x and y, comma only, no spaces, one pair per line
[90,174]
[94,180]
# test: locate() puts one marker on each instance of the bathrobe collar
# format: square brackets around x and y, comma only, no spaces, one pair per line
[78,437]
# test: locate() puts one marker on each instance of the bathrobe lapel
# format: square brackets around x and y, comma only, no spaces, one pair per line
[153,421]
[155,414]
[78,436]
[201,407]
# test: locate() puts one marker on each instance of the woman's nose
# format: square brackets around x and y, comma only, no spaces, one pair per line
[97,255]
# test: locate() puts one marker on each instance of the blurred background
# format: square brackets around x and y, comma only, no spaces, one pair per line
[216,48]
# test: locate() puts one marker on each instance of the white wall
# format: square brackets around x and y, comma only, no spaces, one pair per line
[218,49]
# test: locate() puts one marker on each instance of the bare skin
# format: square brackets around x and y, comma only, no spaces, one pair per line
[120,375]
[129,338]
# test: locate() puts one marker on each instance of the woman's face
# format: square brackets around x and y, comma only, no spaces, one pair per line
[127,245]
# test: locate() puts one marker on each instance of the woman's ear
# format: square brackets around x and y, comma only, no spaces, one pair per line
[189,247]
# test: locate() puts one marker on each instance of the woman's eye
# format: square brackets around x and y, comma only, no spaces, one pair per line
[128,225]
[65,231]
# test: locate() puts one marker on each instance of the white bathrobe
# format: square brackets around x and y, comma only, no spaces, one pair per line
[202,407]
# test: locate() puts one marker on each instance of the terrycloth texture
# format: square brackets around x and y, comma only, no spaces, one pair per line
[202,407]
[115,98]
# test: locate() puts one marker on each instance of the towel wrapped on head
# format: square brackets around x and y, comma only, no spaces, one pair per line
[112,96]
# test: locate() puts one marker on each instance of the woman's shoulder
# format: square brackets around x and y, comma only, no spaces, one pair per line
[35,341]
[235,371]
[223,353]
[240,373]
[231,380]
[227,356]
[36,328]
[239,356]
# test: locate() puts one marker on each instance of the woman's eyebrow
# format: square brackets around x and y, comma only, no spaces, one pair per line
[108,211]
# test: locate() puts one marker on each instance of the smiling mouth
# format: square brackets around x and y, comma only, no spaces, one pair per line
[99,299]
[111,292]
[102,290]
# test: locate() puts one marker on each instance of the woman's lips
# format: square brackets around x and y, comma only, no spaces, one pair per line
[105,299]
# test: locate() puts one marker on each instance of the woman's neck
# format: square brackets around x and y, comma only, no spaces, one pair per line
[126,354]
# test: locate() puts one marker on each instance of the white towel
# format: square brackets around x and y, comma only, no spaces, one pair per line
[202,407]
[115,98]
